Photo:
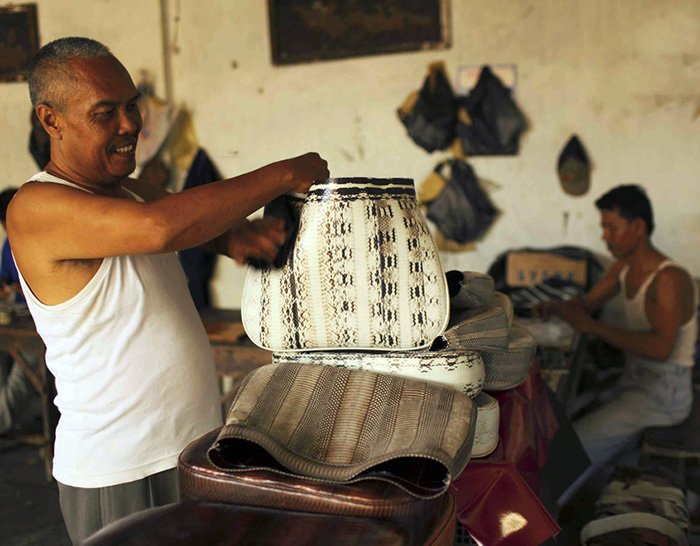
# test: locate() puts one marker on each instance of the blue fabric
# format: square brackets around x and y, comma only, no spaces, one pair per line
[8,270]
[199,264]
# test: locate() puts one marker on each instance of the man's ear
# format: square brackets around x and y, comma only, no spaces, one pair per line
[640,226]
[50,119]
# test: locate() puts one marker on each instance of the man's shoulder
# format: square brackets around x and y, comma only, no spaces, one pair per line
[674,274]
[35,188]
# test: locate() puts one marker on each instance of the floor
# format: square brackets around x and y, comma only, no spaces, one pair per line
[29,512]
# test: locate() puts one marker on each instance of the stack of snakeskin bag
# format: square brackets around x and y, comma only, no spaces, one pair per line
[482,320]
[356,389]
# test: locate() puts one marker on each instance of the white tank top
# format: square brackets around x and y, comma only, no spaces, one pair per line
[683,351]
[134,370]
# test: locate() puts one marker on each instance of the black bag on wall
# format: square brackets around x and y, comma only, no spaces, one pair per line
[489,121]
[462,211]
[429,115]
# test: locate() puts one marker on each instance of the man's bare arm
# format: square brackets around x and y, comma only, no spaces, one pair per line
[603,291]
[259,238]
[69,224]
[664,314]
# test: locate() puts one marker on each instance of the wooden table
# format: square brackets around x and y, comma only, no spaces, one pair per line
[234,356]
[20,340]
[562,359]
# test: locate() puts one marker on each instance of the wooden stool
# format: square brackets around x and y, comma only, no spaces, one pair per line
[678,443]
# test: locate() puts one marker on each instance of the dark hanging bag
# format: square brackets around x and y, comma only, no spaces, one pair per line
[429,114]
[462,211]
[489,121]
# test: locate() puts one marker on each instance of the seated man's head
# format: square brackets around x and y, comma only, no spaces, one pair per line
[627,219]
[87,102]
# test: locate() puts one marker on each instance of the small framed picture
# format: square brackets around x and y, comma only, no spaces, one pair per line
[316,30]
[19,40]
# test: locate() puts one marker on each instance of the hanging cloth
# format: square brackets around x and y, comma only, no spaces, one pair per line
[199,264]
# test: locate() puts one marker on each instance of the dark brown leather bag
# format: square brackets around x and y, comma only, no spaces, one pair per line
[416,518]
[337,425]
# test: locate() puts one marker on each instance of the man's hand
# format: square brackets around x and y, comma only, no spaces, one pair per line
[576,315]
[573,312]
[545,310]
[305,169]
[258,239]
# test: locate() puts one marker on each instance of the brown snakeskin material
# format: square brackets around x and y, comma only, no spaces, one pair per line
[508,368]
[339,425]
[484,329]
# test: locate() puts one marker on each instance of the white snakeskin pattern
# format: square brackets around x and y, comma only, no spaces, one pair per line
[461,370]
[364,273]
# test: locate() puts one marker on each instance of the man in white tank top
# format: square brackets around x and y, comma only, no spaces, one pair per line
[658,335]
[95,252]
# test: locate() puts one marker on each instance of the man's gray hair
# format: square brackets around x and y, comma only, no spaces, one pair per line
[51,63]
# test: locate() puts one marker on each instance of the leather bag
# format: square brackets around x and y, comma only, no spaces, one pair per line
[508,368]
[337,425]
[364,273]
[461,370]
[417,521]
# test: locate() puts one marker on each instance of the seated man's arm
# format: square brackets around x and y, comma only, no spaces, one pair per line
[603,291]
[607,288]
[664,312]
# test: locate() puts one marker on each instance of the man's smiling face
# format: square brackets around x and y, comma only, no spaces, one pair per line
[101,122]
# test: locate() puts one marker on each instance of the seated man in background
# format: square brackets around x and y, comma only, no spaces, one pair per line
[95,252]
[658,335]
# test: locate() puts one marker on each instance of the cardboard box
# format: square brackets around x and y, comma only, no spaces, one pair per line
[531,268]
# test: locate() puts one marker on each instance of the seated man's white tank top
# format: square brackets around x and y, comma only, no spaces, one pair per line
[635,318]
[134,370]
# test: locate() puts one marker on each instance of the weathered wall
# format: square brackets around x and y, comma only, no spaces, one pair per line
[623,75]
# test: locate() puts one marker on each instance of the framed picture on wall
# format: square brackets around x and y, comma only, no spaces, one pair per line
[317,30]
[19,40]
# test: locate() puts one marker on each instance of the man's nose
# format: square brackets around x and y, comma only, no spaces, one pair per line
[129,122]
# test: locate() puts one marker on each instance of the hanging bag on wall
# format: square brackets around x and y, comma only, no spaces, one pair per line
[462,211]
[429,114]
[489,121]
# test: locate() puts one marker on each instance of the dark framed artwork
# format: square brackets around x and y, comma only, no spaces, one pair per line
[19,40]
[316,30]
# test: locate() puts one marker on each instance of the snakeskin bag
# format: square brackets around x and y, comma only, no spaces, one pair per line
[337,425]
[364,273]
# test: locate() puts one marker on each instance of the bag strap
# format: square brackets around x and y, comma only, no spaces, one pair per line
[629,521]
